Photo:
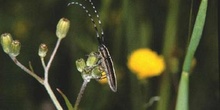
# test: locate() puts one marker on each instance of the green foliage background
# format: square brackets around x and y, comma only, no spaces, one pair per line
[162,25]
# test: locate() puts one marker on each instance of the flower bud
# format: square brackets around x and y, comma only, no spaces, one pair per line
[97,72]
[86,73]
[15,48]
[92,59]
[42,52]
[62,28]
[80,64]
[6,41]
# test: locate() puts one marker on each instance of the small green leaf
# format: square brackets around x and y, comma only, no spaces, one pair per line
[31,67]
[68,104]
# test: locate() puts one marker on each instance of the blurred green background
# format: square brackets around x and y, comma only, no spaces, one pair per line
[162,25]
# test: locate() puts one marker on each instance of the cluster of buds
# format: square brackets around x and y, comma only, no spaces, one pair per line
[91,69]
[10,46]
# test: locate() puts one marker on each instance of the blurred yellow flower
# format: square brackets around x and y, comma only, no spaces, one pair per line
[146,63]
[21,28]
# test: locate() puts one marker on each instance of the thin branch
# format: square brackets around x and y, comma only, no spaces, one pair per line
[51,59]
[46,71]
[80,94]
[30,66]
[52,96]
[27,70]
[43,62]
[53,54]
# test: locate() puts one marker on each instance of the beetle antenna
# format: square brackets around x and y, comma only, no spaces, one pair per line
[92,20]
[98,17]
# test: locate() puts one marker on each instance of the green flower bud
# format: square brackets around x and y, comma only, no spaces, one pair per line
[42,52]
[97,72]
[6,41]
[92,59]
[62,28]
[80,64]
[15,48]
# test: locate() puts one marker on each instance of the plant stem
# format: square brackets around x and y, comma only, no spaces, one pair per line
[80,94]
[52,96]
[44,81]
[46,71]
[196,35]
[182,98]
[43,62]
[52,56]
[168,48]
[27,70]
[183,94]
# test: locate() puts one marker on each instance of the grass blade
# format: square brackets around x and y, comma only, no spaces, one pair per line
[182,98]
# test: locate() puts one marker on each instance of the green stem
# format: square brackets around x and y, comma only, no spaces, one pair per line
[196,35]
[168,48]
[182,98]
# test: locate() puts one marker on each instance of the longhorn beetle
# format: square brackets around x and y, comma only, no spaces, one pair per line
[105,57]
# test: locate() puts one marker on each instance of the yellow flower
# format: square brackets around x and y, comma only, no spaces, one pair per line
[146,63]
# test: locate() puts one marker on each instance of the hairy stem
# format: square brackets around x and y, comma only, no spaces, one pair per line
[80,94]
